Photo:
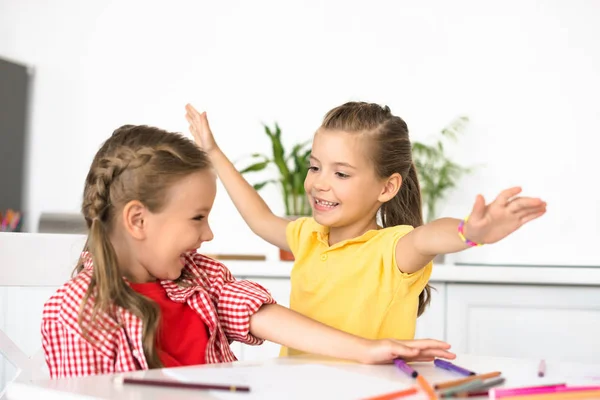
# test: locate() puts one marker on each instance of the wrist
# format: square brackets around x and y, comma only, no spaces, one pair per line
[464,236]
[364,349]
[211,150]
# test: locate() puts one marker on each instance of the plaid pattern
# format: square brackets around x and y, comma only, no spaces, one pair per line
[224,304]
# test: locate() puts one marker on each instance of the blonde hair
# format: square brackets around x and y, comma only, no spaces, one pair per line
[135,163]
[390,151]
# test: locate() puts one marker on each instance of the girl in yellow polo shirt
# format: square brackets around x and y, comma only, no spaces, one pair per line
[350,272]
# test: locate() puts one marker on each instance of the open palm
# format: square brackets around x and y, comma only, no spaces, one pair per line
[507,213]
[199,128]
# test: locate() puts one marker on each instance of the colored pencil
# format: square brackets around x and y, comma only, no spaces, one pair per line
[452,367]
[584,394]
[456,382]
[480,390]
[426,387]
[465,387]
[185,385]
[404,367]
[527,390]
[394,395]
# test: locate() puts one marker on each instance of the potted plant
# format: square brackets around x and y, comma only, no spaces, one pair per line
[292,168]
[438,174]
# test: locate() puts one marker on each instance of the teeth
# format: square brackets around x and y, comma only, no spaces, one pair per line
[325,203]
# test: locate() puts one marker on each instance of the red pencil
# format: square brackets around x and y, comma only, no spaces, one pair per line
[185,385]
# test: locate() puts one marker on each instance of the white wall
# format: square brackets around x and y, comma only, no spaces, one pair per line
[525,71]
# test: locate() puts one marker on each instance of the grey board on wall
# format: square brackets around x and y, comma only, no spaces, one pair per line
[14,100]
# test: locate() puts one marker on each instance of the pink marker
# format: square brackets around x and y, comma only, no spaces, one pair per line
[500,393]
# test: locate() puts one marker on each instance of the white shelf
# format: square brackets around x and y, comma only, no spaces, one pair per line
[451,273]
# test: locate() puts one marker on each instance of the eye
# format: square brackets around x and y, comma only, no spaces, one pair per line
[198,218]
[313,168]
[342,175]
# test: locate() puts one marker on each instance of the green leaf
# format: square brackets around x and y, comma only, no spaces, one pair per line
[268,131]
[258,186]
[259,166]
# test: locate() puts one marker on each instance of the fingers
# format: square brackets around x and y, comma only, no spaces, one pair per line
[204,121]
[427,344]
[420,359]
[191,110]
[430,348]
[524,203]
[505,196]
[527,209]
[402,351]
[192,115]
[531,217]
[437,353]
[478,210]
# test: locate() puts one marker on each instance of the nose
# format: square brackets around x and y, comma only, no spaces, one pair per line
[207,234]
[320,183]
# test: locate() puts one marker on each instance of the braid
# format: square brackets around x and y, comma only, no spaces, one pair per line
[107,171]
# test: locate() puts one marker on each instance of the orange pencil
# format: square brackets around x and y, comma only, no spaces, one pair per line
[449,384]
[394,395]
[426,387]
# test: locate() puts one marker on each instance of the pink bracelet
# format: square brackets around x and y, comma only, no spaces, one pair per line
[461,234]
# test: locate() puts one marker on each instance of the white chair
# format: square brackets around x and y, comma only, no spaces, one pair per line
[32,267]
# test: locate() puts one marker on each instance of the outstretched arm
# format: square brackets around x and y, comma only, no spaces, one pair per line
[248,202]
[487,224]
[289,328]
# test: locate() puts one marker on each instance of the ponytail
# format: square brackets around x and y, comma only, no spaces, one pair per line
[406,209]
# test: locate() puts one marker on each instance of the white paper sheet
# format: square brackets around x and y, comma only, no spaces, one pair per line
[307,381]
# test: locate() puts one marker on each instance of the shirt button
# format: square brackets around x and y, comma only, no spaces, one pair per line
[323,257]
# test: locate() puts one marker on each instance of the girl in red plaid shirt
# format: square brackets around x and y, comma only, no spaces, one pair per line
[144,298]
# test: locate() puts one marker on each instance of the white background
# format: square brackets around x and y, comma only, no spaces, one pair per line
[524,71]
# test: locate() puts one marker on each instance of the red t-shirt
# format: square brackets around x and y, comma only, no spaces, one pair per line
[182,335]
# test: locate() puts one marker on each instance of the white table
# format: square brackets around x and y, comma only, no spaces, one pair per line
[518,372]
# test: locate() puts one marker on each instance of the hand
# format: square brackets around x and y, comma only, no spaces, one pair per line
[200,129]
[386,350]
[506,214]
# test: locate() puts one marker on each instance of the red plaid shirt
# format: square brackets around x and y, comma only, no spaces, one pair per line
[224,304]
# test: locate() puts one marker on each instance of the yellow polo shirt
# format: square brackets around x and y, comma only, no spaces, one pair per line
[354,285]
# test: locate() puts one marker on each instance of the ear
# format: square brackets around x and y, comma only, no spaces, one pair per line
[390,188]
[134,214]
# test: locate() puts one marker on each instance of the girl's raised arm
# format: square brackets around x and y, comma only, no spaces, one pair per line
[248,202]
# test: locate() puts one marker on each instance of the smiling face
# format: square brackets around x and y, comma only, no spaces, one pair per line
[341,184]
[159,240]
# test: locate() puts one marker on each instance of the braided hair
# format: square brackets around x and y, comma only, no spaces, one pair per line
[136,163]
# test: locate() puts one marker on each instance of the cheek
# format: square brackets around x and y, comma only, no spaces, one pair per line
[357,192]
[307,183]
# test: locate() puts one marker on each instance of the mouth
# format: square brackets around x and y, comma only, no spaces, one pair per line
[324,205]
